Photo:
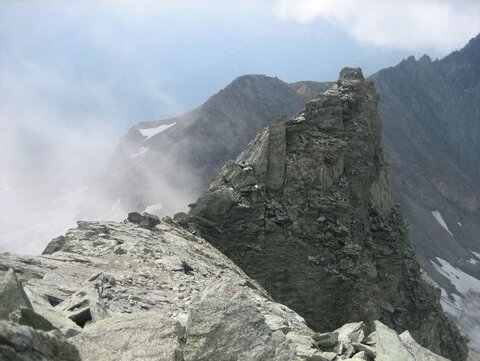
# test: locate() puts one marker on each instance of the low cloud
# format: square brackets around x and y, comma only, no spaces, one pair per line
[439,26]
[57,131]
[75,75]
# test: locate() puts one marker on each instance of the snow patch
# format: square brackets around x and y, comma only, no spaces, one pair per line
[141,150]
[451,304]
[462,281]
[475,254]
[472,261]
[438,217]
[299,119]
[154,208]
[150,132]
[460,224]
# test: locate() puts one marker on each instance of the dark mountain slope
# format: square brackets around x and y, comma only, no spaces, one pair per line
[431,112]
[170,167]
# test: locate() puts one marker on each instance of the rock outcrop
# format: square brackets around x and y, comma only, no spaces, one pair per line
[306,211]
[119,291]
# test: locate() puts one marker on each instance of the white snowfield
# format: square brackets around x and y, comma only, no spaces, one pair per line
[464,304]
[438,217]
[476,254]
[462,281]
[451,304]
[150,132]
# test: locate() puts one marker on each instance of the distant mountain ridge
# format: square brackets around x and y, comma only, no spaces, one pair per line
[171,168]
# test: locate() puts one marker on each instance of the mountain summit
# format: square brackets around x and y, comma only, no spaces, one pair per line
[306,210]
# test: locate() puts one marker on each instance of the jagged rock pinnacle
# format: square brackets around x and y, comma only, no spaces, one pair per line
[306,210]
[351,74]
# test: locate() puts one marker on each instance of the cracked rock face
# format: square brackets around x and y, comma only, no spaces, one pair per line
[306,211]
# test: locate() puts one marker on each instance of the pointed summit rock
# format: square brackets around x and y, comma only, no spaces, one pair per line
[306,210]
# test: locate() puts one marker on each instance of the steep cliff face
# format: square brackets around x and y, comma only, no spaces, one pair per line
[306,210]
[431,112]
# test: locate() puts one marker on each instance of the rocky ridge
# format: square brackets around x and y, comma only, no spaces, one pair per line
[430,112]
[137,291]
[306,211]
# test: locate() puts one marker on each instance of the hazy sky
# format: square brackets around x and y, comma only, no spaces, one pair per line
[74,75]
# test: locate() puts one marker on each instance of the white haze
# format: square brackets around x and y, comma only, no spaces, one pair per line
[56,136]
[438,26]
[44,158]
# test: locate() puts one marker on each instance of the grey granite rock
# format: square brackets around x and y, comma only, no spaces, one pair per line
[169,296]
[325,339]
[155,300]
[28,317]
[23,343]
[54,245]
[420,353]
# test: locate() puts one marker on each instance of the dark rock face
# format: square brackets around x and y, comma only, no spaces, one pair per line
[145,220]
[306,210]
[54,245]
[431,112]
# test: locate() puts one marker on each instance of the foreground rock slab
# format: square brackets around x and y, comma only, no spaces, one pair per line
[154,294]
[167,295]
